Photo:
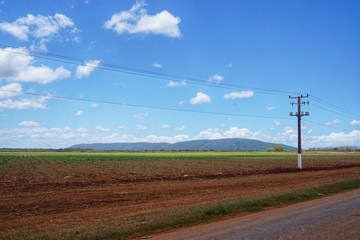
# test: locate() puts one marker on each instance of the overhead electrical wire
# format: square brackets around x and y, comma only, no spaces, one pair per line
[140,106]
[195,81]
[144,73]
[333,108]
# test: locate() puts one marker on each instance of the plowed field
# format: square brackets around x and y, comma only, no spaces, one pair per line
[108,195]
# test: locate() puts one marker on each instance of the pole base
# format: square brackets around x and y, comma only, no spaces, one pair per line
[299,161]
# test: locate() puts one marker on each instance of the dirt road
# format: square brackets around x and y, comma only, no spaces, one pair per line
[333,217]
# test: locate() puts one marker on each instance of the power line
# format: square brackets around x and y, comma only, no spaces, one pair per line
[195,81]
[141,106]
[144,73]
[335,109]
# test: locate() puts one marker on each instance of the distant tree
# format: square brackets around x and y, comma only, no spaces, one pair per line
[276,148]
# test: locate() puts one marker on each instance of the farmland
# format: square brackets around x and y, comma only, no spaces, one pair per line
[118,195]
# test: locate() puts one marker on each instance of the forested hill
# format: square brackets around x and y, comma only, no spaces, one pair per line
[229,144]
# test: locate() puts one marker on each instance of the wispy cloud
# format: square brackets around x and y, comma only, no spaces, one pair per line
[102,129]
[177,84]
[29,124]
[79,113]
[333,122]
[355,122]
[157,65]
[180,128]
[270,108]
[141,127]
[235,95]
[10,90]
[141,115]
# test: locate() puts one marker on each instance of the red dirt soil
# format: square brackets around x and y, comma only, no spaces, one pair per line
[42,198]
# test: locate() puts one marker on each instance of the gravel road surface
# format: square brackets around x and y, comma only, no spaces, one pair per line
[333,217]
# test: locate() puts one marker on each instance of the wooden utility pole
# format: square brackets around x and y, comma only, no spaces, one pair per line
[299,114]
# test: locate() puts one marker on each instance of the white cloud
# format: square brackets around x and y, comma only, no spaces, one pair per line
[177,84]
[102,129]
[136,20]
[29,124]
[141,127]
[17,65]
[94,105]
[82,132]
[355,122]
[79,113]
[11,90]
[270,108]
[180,128]
[157,65]
[217,78]
[155,138]
[232,132]
[200,98]
[164,126]
[87,69]
[40,28]
[24,103]
[333,122]
[242,94]
[141,115]
[335,139]
[277,123]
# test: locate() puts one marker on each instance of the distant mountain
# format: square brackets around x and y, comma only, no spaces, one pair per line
[228,144]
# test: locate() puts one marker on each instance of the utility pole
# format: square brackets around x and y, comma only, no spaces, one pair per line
[299,114]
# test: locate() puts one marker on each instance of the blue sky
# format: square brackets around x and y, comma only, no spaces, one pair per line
[167,71]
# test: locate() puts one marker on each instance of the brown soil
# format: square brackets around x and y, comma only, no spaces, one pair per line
[42,198]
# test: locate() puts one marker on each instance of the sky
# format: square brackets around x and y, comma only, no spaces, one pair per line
[90,71]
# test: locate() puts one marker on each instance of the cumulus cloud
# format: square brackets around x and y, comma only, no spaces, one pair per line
[242,94]
[17,65]
[39,28]
[217,78]
[177,84]
[87,69]
[137,20]
[200,98]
